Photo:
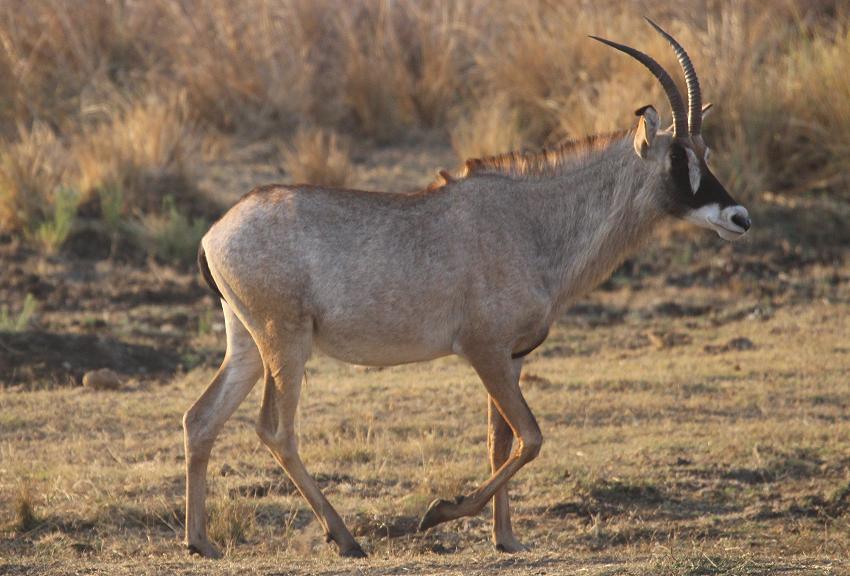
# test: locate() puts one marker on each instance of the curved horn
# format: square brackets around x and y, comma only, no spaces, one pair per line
[694,93]
[680,121]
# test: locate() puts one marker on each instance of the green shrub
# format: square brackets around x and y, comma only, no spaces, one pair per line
[171,236]
[17,322]
[50,233]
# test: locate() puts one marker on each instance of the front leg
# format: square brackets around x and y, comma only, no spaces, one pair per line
[501,378]
[499,441]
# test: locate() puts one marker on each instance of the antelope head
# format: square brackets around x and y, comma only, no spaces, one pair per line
[690,189]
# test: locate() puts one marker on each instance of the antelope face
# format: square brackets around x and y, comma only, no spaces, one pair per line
[698,197]
[690,189]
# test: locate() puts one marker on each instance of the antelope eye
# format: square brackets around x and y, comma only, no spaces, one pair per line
[678,158]
[677,153]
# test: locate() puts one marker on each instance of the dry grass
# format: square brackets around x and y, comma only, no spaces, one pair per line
[231,521]
[144,152]
[819,101]
[128,88]
[32,170]
[677,460]
[492,128]
[25,518]
[317,156]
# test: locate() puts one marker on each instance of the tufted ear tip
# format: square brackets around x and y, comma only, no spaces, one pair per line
[642,110]
[650,114]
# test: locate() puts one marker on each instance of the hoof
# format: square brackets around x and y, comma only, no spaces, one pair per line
[439,511]
[354,551]
[350,550]
[511,546]
[204,549]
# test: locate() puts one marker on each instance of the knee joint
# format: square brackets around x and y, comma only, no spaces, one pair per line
[266,435]
[531,446]
[191,426]
[279,442]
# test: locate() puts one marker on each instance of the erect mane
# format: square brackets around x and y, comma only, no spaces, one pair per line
[518,164]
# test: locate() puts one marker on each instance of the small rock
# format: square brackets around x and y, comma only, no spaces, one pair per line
[740,344]
[103,379]
[661,340]
[82,548]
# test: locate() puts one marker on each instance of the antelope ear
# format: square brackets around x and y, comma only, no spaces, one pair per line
[646,130]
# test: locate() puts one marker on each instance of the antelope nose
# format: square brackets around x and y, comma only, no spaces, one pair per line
[741,221]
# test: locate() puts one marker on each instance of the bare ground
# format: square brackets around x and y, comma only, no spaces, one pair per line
[695,413]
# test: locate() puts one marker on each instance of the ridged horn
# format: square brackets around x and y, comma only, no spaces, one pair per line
[694,92]
[680,121]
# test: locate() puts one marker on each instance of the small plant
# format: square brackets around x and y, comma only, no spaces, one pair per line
[111,206]
[171,236]
[112,213]
[205,322]
[51,233]
[231,521]
[317,157]
[25,516]
[19,322]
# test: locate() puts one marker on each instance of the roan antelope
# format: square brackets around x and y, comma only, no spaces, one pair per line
[479,265]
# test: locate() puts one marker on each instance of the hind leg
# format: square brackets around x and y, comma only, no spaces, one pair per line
[499,441]
[284,370]
[238,373]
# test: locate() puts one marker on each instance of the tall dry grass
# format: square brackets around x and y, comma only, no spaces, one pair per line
[144,150]
[317,157]
[489,128]
[33,167]
[488,75]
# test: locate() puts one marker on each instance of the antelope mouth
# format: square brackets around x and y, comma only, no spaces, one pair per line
[730,223]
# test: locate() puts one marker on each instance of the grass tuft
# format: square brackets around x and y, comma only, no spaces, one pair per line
[141,154]
[171,236]
[318,157]
[26,519]
[33,166]
[231,521]
[51,233]
[21,320]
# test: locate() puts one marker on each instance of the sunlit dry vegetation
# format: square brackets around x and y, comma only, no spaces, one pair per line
[663,455]
[83,81]
[317,157]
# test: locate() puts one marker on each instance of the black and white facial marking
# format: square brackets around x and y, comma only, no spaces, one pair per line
[700,198]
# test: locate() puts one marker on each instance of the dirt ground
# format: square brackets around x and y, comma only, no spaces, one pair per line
[694,409]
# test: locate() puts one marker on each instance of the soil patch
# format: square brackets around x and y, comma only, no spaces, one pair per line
[35,359]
